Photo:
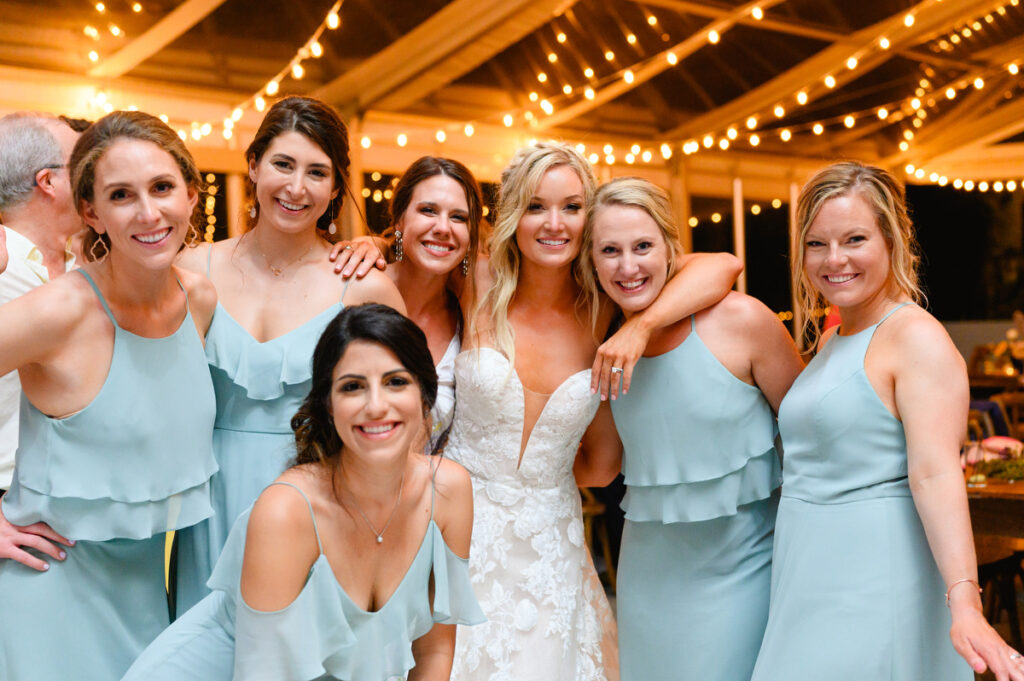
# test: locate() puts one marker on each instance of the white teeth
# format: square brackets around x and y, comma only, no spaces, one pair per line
[553,242]
[153,238]
[839,278]
[291,206]
[439,248]
[375,430]
[632,285]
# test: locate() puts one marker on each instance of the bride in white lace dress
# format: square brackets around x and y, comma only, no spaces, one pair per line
[524,404]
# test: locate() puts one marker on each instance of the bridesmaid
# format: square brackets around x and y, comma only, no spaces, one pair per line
[289,603]
[701,466]
[873,523]
[277,292]
[436,213]
[116,415]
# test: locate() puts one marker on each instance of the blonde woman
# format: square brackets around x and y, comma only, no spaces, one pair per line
[873,525]
[701,467]
[524,403]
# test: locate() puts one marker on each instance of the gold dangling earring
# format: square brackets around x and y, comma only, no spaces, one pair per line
[252,211]
[399,253]
[333,228]
[465,266]
[92,249]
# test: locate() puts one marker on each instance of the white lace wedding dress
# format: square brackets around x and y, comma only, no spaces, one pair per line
[548,617]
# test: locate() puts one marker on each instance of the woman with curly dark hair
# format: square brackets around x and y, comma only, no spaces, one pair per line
[290,601]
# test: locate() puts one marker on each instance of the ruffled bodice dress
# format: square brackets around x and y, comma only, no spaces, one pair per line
[133,464]
[321,634]
[548,617]
[856,594]
[700,466]
[259,388]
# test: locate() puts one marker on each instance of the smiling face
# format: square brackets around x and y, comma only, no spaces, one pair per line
[141,202]
[435,226]
[549,232]
[375,402]
[846,257]
[630,255]
[294,182]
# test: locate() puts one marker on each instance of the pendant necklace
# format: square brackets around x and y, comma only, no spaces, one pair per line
[398,502]
[278,271]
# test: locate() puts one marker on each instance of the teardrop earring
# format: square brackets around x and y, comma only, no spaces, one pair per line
[333,228]
[252,211]
[399,253]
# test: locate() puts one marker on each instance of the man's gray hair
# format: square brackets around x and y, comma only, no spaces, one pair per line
[27,145]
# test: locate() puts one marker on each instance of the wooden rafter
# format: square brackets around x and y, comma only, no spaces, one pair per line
[995,126]
[652,67]
[931,17]
[182,18]
[391,80]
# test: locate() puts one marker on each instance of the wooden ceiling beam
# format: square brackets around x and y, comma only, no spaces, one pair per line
[455,40]
[993,127]
[181,19]
[652,67]
[931,16]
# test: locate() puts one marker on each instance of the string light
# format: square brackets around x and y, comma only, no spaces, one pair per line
[849,121]
[272,88]
[851,63]
[830,82]
[713,37]
[751,122]
[673,59]
[316,49]
[94,56]
[365,142]
[818,128]
[757,13]
[786,135]
[402,139]
[440,136]
[137,7]
[801,97]
[333,20]
[468,130]
[297,71]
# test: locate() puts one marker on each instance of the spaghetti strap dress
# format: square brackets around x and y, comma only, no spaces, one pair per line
[856,594]
[701,469]
[133,464]
[322,634]
[259,387]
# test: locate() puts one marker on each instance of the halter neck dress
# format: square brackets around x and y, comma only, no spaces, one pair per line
[322,634]
[856,594]
[695,566]
[259,387]
[133,464]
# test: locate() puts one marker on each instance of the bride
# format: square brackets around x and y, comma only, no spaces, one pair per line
[523,405]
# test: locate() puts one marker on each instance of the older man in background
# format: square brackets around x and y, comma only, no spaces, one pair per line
[39,218]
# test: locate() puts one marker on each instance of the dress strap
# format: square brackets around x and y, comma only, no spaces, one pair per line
[889,313]
[209,254]
[103,301]
[309,505]
[344,289]
[693,322]
[433,484]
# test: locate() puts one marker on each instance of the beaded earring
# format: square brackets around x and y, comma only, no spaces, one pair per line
[399,253]
[465,266]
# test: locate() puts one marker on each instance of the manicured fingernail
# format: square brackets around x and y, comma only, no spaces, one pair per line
[63,555]
[71,541]
[46,566]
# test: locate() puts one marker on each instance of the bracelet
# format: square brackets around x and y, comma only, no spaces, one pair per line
[961,581]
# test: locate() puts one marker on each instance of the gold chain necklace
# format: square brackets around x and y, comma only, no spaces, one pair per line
[398,502]
[278,271]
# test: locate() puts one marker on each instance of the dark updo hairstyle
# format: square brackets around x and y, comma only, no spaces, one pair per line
[95,142]
[316,438]
[322,125]
[425,168]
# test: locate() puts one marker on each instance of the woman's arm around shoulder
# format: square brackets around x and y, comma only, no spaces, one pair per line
[280,548]
[701,280]
[931,395]
[36,326]
[375,287]
[202,298]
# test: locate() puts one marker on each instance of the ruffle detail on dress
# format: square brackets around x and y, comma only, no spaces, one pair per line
[263,370]
[454,600]
[692,501]
[104,519]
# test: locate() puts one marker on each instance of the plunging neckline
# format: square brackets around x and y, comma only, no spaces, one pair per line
[300,327]
[523,389]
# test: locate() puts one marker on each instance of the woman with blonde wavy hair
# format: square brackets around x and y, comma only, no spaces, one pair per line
[524,403]
[873,524]
[698,453]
